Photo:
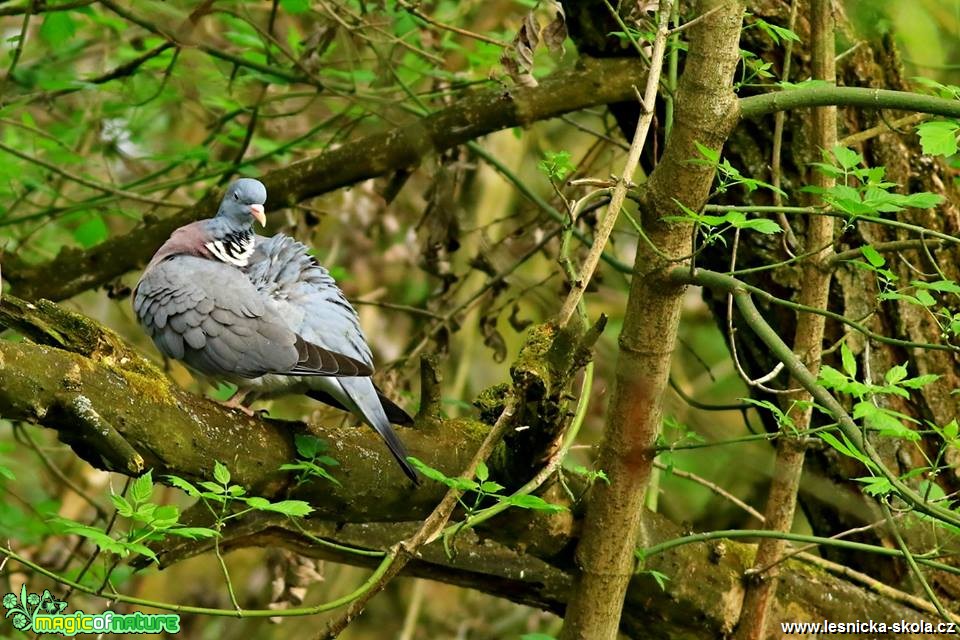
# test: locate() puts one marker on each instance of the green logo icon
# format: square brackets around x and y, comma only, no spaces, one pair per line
[25,608]
[44,613]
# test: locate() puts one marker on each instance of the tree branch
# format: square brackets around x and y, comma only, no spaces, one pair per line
[594,82]
[177,432]
[864,97]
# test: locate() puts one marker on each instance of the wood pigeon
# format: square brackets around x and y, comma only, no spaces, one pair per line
[261,313]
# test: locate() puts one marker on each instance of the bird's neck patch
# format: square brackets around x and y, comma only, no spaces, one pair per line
[234,248]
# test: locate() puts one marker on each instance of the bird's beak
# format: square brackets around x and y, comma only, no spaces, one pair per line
[256,210]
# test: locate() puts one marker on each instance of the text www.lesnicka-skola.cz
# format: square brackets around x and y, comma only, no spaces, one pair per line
[869,626]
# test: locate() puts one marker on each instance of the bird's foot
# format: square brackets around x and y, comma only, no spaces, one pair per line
[236,401]
[231,405]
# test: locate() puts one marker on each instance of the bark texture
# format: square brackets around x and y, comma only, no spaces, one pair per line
[830,500]
[706,112]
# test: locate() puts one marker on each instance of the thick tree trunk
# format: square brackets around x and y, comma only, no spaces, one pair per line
[706,112]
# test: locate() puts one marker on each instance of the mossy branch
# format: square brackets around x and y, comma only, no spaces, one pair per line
[177,432]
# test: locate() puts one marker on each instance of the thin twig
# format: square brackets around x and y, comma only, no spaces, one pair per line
[789,238]
[630,166]
[712,486]
[406,6]
[687,25]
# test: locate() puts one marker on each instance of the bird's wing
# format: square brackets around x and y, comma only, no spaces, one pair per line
[210,316]
[307,297]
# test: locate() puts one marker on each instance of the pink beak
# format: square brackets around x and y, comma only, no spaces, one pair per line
[256,210]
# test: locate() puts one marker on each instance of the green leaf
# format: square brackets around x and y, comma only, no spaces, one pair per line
[784,33]
[885,421]
[122,506]
[57,28]
[831,439]
[98,537]
[212,487]
[257,502]
[847,158]
[533,502]
[183,485]
[556,165]
[491,487]
[831,378]
[91,232]
[943,286]
[165,516]
[950,430]
[220,473]
[920,381]
[482,471]
[308,446]
[293,508]
[939,137]
[876,485]
[762,225]
[7,473]
[236,490]
[295,6]
[708,153]
[872,255]
[661,578]
[925,298]
[142,488]
[461,484]
[144,513]
[895,374]
[922,200]
[932,490]
[849,361]
[193,533]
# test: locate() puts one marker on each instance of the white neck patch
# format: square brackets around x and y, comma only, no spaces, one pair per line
[235,249]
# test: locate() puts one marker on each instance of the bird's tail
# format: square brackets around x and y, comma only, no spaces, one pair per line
[363,394]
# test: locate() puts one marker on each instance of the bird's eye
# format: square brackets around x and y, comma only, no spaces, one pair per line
[236,196]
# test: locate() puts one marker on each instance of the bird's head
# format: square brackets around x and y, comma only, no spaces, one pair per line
[244,199]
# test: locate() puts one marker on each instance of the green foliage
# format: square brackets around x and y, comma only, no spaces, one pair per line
[590,475]
[729,176]
[232,499]
[484,489]
[711,228]
[57,28]
[660,578]
[311,461]
[919,292]
[939,137]
[556,165]
[146,522]
[784,421]
[752,69]
[882,419]
[774,32]
[675,432]
[862,190]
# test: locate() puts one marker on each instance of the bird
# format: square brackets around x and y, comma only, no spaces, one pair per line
[263,314]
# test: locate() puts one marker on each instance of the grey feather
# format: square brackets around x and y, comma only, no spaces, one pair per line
[261,313]
[253,340]
[313,306]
